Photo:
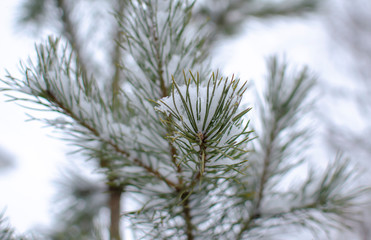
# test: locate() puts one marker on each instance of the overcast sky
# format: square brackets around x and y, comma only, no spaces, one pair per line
[26,189]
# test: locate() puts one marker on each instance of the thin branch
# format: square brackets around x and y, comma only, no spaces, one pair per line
[69,31]
[260,193]
[188,219]
[137,161]
[154,172]
[116,57]
[164,93]
[265,173]
[158,56]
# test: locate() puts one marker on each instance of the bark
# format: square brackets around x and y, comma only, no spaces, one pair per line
[115,211]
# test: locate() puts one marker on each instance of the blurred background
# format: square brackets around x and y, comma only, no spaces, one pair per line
[332,37]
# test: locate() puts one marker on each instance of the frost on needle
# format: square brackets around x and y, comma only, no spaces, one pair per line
[206,119]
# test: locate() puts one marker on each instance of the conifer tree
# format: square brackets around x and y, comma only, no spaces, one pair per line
[174,136]
[6,231]
[349,27]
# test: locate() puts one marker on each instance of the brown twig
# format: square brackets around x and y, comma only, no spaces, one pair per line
[137,161]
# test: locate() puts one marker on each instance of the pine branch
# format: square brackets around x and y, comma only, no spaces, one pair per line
[69,29]
[42,86]
[33,11]
[78,204]
[321,201]
[183,159]
[173,152]
[117,57]
[227,17]
[162,43]
[157,40]
[283,102]
[200,119]
[90,128]
[7,232]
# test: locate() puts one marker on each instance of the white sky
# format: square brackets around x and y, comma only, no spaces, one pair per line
[27,189]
